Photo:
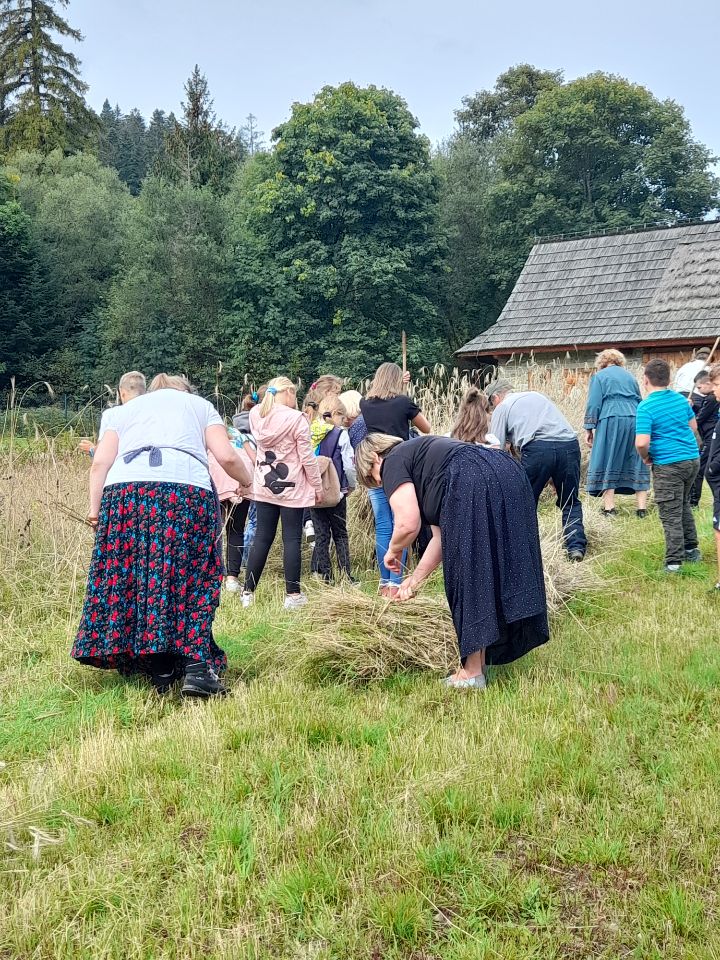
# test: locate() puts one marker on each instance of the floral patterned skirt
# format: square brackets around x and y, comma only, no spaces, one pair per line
[154,581]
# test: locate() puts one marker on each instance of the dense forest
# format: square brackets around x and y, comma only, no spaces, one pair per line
[178,243]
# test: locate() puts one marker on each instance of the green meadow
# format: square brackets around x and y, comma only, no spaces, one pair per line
[570,811]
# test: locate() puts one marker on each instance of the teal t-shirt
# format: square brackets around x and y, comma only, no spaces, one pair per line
[665,415]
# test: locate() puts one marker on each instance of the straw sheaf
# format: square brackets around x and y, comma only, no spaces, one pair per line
[350,636]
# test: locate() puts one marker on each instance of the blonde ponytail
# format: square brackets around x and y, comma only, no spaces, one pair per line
[276,386]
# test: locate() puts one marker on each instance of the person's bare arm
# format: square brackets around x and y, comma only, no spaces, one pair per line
[696,432]
[422,424]
[217,442]
[406,525]
[105,454]
[431,560]
[642,445]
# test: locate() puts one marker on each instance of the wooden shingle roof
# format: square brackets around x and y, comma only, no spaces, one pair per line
[642,287]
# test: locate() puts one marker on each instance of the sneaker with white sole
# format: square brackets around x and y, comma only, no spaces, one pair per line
[295,601]
[232,585]
[694,555]
[310,531]
[248,599]
[672,568]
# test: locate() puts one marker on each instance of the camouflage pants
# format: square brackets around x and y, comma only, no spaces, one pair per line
[672,487]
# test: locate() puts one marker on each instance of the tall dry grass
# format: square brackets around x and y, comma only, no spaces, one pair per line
[43,483]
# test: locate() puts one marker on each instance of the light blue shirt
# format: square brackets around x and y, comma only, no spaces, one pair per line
[665,416]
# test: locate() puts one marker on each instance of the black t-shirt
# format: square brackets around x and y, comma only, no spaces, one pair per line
[422,462]
[391,416]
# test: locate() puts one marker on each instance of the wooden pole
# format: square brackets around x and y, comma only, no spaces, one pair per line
[712,352]
[404,353]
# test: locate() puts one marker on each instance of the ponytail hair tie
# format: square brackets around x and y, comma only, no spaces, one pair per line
[254,396]
[313,386]
[272,391]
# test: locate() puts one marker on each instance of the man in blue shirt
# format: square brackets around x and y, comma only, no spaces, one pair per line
[666,437]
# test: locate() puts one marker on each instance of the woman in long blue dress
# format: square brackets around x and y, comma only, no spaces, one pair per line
[615,466]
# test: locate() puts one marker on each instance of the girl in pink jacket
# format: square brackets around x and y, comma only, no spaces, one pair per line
[285,482]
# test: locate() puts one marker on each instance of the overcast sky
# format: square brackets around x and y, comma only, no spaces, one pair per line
[261,56]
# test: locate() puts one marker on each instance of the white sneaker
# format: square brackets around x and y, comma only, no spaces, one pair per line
[232,585]
[295,601]
[248,599]
[309,531]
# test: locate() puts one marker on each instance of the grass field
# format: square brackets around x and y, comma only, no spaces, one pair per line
[570,811]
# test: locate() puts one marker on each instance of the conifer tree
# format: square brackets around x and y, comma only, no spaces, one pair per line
[23,303]
[42,103]
[251,136]
[132,159]
[159,128]
[200,151]
[109,134]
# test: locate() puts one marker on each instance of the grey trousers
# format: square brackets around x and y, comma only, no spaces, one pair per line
[672,487]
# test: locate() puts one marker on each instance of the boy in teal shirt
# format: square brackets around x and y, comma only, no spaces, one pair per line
[666,437]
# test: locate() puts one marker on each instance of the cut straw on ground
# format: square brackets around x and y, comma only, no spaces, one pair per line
[349,635]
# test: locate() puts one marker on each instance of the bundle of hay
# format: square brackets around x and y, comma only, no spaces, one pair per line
[349,635]
[565,580]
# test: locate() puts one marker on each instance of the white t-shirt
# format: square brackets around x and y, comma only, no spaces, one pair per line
[685,377]
[163,418]
[106,422]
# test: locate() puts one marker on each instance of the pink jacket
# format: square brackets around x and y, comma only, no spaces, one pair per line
[224,484]
[286,470]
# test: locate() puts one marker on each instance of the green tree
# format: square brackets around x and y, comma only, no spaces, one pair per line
[165,306]
[160,126]
[471,297]
[266,328]
[487,113]
[349,213]
[24,314]
[132,151]
[109,134]
[200,151]
[41,93]
[251,137]
[78,209]
[604,152]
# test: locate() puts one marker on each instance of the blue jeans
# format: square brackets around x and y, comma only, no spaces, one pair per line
[383,535]
[559,461]
[250,528]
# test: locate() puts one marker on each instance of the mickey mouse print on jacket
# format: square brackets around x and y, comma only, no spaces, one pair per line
[286,470]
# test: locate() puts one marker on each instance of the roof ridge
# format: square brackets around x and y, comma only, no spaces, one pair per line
[619,231]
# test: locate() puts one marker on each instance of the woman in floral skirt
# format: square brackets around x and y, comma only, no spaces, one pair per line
[156,568]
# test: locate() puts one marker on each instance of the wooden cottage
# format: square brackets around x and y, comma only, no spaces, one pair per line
[650,292]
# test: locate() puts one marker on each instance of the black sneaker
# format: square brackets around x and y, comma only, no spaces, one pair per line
[612,512]
[576,556]
[694,555]
[163,680]
[202,681]
[641,514]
